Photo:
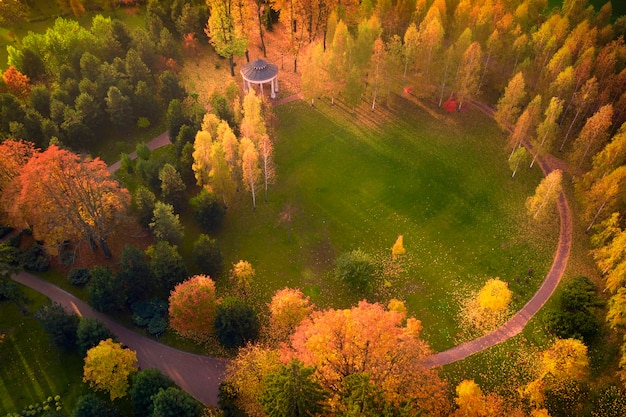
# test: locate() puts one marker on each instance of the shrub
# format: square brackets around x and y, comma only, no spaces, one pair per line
[357,269]
[145,384]
[236,323]
[106,292]
[78,276]
[35,258]
[166,264]
[207,255]
[134,273]
[208,210]
[150,314]
[91,406]
[174,402]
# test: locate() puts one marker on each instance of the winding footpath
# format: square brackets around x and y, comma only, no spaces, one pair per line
[201,375]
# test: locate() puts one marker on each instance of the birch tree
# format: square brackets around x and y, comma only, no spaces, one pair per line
[510,104]
[469,74]
[548,128]
[266,153]
[594,133]
[250,167]
[546,194]
[222,32]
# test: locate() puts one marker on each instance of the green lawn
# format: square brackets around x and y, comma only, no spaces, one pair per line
[443,184]
[33,369]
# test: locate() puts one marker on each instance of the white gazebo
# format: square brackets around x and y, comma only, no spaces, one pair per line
[260,72]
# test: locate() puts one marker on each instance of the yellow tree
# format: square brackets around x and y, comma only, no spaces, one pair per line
[287,310]
[594,133]
[510,104]
[230,144]
[604,195]
[495,295]
[469,73]
[547,129]
[246,374]
[220,175]
[524,124]
[253,123]
[242,275]
[314,76]
[201,165]
[223,33]
[369,340]
[398,248]
[250,167]
[545,195]
[564,362]
[472,402]
[268,169]
[108,367]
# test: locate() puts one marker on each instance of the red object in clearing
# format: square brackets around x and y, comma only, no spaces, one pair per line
[450,105]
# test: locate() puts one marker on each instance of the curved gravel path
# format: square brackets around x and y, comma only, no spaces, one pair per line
[199,375]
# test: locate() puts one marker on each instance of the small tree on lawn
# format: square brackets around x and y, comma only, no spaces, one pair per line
[242,275]
[398,248]
[108,367]
[59,324]
[193,306]
[90,332]
[546,194]
[166,264]
[166,224]
[287,309]
[145,385]
[357,269]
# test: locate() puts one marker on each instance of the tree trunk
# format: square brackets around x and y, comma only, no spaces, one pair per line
[374,100]
[261,34]
[570,129]
[247,56]
[232,66]
[608,196]
[443,84]
[253,196]
[295,65]
[105,248]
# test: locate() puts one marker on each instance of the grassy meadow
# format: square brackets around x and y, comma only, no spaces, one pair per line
[360,181]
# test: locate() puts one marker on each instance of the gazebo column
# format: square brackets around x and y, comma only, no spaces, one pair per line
[273,94]
[276,83]
[261,84]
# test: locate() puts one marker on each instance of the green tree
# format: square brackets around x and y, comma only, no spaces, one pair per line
[90,332]
[292,392]
[166,264]
[105,290]
[172,185]
[357,269]
[236,323]
[59,324]
[166,224]
[13,12]
[222,32]
[108,367]
[170,88]
[144,386]
[144,201]
[91,406]
[174,402]
[119,108]
[134,273]
[207,255]
[208,211]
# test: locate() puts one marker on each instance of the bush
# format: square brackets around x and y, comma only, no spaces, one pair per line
[59,324]
[207,256]
[35,258]
[166,265]
[174,402]
[236,323]
[90,332]
[357,269]
[208,210]
[150,314]
[134,273]
[78,276]
[144,201]
[91,406]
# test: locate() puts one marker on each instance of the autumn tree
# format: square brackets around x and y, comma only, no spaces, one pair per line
[482,312]
[369,339]
[108,367]
[582,100]
[16,154]
[469,73]
[377,78]
[242,275]
[510,104]
[253,122]
[13,12]
[548,128]
[63,196]
[246,374]
[593,135]
[472,402]
[518,156]
[411,43]
[546,194]
[202,157]
[16,83]
[287,310]
[222,32]
[250,167]
[525,123]
[314,76]
[193,307]
[564,362]
[398,248]
[339,59]
[266,154]
[604,195]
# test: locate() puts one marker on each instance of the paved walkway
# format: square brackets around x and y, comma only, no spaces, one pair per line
[199,375]
[517,323]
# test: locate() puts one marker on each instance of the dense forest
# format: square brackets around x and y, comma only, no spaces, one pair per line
[554,78]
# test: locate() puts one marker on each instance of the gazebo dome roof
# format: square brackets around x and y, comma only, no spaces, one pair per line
[259,71]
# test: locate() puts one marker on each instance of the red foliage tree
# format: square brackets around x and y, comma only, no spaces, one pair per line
[15,154]
[193,306]
[65,197]
[17,83]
